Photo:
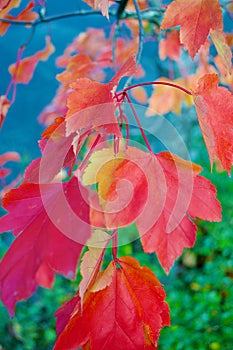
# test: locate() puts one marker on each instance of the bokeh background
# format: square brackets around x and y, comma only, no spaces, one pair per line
[200,286]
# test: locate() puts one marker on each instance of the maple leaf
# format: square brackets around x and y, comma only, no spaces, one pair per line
[78,66]
[94,102]
[23,71]
[196,18]
[118,316]
[214,106]
[26,15]
[166,192]
[170,46]
[42,247]
[4,106]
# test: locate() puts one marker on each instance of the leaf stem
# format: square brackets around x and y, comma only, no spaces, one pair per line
[156,83]
[138,122]
[115,244]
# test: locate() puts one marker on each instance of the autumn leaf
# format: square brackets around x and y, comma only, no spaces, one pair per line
[166,99]
[92,260]
[26,15]
[99,4]
[91,104]
[119,316]
[188,196]
[23,71]
[196,18]
[223,49]
[42,247]
[78,66]
[7,5]
[214,106]
[170,46]
[4,106]
[162,193]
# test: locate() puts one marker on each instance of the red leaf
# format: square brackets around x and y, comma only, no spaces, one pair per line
[4,106]
[118,317]
[214,105]
[95,104]
[188,196]
[137,184]
[196,18]
[23,71]
[43,224]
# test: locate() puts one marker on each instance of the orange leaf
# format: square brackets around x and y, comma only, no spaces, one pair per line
[128,314]
[26,15]
[170,46]
[7,5]
[140,95]
[214,105]
[78,66]
[23,71]
[196,18]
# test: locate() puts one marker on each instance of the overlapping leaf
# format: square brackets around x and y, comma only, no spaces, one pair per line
[91,104]
[160,192]
[196,18]
[127,314]
[26,15]
[214,105]
[42,247]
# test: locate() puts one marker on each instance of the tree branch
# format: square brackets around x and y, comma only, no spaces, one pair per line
[152,15]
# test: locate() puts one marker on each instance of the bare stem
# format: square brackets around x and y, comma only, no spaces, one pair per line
[157,83]
[139,123]
[141,32]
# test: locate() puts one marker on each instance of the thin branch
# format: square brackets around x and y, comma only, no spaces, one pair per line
[141,39]
[156,83]
[138,122]
[141,32]
[152,15]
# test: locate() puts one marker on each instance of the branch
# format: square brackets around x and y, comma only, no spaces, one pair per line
[141,32]
[152,15]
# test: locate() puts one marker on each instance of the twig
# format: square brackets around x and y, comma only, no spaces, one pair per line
[141,32]
[152,15]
